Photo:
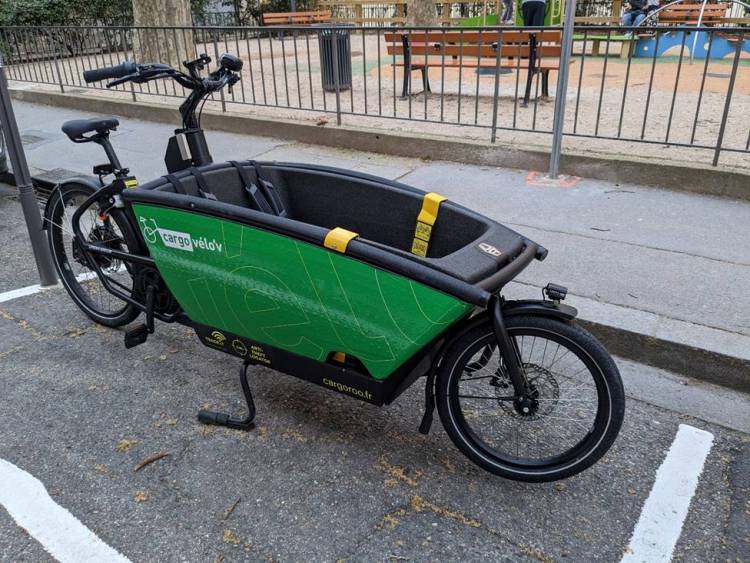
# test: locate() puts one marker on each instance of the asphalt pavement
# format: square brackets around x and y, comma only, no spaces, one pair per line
[322,477]
[327,478]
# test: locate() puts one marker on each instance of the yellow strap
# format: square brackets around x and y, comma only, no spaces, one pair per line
[131,183]
[425,221]
[337,239]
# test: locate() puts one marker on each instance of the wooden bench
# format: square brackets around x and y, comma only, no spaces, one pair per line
[595,39]
[296,18]
[536,51]
[688,14]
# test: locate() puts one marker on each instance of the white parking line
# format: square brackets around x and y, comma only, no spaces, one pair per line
[32,289]
[666,507]
[21,292]
[59,532]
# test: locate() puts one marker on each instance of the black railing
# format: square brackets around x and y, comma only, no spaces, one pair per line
[639,93]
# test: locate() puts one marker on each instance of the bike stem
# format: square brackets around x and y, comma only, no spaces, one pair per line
[508,349]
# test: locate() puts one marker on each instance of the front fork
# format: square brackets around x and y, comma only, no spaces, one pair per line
[509,353]
[511,358]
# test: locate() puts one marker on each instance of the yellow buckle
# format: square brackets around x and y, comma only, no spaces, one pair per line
[337,239]
[425,221]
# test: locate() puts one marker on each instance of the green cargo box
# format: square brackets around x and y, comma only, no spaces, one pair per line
[273,280]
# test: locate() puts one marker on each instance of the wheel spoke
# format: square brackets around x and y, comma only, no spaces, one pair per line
[561,411]
[480,397]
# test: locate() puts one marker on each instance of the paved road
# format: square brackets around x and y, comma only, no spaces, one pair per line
[680,256]
[322,477]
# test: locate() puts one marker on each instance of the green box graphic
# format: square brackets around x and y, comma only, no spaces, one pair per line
[291,294]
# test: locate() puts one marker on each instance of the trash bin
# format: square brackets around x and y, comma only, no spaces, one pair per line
[326,35]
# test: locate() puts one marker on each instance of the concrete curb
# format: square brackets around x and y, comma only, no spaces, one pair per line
[686,177]
[698,351]
[702,352]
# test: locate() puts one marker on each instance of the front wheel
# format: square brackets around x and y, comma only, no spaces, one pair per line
[577,406]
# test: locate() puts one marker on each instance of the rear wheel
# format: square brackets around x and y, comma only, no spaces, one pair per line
[576,409]
[79,278]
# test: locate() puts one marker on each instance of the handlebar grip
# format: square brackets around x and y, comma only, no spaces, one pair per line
[510,270]
[98,74]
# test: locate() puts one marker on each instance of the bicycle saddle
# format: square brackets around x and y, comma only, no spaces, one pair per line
[75,128]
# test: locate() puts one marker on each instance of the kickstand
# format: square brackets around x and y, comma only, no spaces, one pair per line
[223,419]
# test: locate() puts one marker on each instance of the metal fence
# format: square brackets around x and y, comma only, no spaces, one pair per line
[624,94]
[378,14]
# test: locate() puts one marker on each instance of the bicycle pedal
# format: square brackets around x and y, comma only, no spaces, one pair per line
[136,336]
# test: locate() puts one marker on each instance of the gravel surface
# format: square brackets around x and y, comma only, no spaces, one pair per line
[659,105]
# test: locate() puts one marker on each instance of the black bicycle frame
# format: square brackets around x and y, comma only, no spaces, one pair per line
[377,392]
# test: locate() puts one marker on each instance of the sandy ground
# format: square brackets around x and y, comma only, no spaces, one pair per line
[663,102]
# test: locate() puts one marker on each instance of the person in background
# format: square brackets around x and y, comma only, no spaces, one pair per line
[533,12]
[533,16]
[507,11]
[652,5]
[635,13]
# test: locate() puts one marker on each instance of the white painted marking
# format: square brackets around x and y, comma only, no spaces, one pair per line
[59,532]
[32,289]
[21,292]
[666,507]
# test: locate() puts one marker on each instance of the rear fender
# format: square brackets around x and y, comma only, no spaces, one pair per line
[537,307]
[88,181]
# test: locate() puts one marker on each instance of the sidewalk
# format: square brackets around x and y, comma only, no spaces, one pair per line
[663,276]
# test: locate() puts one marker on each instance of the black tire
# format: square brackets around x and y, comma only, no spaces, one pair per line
[474,351]
[3,153]
[78,278]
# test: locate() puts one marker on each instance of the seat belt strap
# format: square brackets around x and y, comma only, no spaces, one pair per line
[176,184]
[202,185]
[425,222]
[270,192]
[257,197]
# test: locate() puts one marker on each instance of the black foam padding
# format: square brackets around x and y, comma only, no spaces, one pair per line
[382,212]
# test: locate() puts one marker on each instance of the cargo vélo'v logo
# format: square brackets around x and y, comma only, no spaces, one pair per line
[177,239]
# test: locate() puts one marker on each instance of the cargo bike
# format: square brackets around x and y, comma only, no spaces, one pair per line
[357,283]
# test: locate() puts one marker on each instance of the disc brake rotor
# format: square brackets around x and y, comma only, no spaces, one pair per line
[544,395]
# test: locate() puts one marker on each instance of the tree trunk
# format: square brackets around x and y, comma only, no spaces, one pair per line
[421,13]
[168,46]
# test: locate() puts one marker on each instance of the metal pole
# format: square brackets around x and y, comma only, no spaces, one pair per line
[336,78]
[47,274]
[562,88]
[53,48]
[221,92]
[728,102]
[697,26]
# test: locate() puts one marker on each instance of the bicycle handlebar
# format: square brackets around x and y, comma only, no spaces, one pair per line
[512,269]
[119,71]
[129,71]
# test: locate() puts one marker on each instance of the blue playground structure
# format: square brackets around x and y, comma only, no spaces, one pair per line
[697,44]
